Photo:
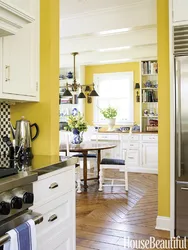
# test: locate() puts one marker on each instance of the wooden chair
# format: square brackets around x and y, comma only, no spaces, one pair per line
[65,139]
[117,164]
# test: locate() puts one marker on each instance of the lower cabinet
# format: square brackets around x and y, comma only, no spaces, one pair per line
[150,154]
[57,231]
[143,153]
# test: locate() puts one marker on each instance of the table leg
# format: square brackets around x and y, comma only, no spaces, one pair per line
[85,170]
[98,162]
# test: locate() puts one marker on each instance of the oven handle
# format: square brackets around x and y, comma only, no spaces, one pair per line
[38,219]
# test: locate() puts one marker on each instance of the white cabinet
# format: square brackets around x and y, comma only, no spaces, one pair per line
[143,153]
[150,155]
[20,60]
[25,6]
[180,10]
[55,200]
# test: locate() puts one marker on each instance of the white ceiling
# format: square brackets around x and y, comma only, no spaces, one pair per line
[82,20]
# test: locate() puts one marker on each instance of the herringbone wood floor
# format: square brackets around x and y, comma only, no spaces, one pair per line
[105,218]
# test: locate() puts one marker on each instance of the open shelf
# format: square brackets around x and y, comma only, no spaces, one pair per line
[148,95]
[150,116]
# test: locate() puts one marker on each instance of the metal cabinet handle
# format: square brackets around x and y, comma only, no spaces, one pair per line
[7,73]
[130,157]
[131,144]
[53,185]
[184,188]
[52,218]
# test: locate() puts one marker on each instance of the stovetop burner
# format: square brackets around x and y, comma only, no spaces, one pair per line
[4,172]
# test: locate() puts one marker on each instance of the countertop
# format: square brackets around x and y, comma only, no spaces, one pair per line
[42,164]
[126,132]
[38,166]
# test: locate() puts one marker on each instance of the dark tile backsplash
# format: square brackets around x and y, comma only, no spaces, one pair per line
[4,127]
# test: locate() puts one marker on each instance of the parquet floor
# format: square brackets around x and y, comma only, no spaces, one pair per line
[105,219]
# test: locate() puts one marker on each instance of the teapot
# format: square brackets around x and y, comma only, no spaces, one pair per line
[22,133]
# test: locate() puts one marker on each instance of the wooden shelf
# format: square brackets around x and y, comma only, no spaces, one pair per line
[150,89]
[154,116]
[149,74]
[149,102]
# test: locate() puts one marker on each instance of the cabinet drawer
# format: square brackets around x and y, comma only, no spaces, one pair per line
[133,157]
[57,214]
[134,137]
[150,138]
[107,137]
[60,183]
[133,145]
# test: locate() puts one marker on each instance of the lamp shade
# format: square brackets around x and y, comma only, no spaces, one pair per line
[137,85]
[93,93]
[81,95]
[67,93]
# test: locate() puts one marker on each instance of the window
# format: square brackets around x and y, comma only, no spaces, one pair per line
[115,90]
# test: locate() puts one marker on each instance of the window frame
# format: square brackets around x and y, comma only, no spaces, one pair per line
[96,80]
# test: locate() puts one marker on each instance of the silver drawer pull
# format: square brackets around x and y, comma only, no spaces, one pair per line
[52,218]
[53,185]
[184,188]
[131,144]
[130,157]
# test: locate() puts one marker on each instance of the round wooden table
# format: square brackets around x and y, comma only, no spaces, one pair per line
[84,148]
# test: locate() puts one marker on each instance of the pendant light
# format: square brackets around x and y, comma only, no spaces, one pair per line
[75,86]
[93,92]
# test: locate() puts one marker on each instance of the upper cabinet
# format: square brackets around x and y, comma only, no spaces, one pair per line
[20,58]
[180,10]
[14,15]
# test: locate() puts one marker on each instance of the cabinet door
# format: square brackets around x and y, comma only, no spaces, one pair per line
[150,154]
[133,158]
[21,61]
[180,8]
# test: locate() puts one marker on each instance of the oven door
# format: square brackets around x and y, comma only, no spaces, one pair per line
[15,221]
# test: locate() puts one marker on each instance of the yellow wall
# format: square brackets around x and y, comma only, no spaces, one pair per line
[111,68]
[163,109]
[46,112]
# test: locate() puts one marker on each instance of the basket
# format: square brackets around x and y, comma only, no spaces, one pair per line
[150,128]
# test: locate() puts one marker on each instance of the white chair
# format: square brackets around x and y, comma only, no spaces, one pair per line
[117,164]
[64,138]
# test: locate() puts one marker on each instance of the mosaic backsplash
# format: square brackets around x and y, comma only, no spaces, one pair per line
[4,127]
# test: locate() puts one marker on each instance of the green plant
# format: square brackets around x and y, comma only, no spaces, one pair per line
[76,122]
[109,112]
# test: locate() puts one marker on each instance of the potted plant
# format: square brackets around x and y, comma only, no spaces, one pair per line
[110,114]
[78,126]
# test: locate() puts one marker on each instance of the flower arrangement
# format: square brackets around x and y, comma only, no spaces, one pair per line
[76,123]
[109,113]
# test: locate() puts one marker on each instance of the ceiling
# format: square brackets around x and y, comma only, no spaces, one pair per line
[134,35]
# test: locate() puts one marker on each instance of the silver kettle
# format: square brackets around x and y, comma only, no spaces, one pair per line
[22,133]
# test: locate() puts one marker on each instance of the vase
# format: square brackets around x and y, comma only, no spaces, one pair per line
[111,124]
[77,136]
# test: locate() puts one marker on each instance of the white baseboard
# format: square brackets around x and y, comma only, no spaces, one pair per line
[163,223]
[144,170]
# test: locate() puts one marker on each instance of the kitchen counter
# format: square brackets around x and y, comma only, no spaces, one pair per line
[126,132]
[40,164]
[43,164]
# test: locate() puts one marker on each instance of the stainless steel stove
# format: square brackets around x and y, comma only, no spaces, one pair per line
[16,199]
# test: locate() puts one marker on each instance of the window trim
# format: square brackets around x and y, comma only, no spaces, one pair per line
[95,100]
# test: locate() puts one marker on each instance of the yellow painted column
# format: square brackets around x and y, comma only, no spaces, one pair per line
[46,112]
[164,108]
